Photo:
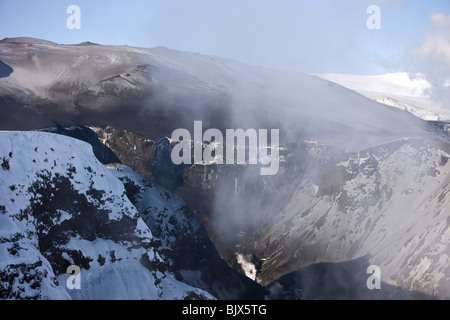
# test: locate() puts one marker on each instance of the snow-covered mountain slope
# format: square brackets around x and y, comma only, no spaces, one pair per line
[397,90]
[59,207]
[386,205]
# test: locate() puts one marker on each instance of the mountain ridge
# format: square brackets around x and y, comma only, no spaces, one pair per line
[146,100]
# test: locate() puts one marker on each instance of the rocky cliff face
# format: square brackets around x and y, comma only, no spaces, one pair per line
[266,228]
[183,242]
[134,151]
[151,159]
[386,203]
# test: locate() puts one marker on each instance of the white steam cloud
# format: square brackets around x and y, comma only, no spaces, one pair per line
[432,59]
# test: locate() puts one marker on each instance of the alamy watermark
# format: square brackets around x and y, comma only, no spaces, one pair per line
[74,20]
[374,281]
[208,147]
[374,20]
[74,280]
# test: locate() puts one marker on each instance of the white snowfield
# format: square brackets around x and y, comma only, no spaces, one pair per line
[183,84]
[60,206]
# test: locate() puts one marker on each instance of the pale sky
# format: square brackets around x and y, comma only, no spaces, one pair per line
[322,36]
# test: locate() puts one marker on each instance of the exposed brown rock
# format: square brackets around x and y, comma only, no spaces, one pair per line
[134,151]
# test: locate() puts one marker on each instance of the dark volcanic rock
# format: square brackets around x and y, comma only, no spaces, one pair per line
[5,70]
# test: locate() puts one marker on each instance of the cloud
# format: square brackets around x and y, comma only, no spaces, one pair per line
[432,58]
